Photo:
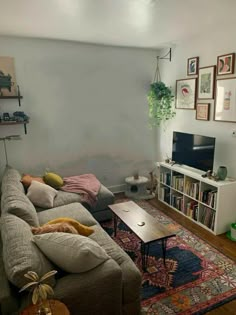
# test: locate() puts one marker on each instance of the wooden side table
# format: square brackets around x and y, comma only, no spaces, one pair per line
[57,308]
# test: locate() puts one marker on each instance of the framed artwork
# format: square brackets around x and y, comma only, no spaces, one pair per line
[8,86]
[192,66]
[186,93]
[225,105]
[206,83]
[225,64]
[203,111]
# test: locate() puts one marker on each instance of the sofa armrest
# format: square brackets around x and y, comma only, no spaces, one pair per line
[8,303]
[98,291]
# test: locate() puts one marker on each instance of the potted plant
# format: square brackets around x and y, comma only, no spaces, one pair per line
[40,290]
[160,103]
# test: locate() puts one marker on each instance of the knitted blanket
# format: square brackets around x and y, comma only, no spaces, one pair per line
[87,185]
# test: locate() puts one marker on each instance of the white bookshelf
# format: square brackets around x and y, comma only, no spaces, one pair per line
[210,204]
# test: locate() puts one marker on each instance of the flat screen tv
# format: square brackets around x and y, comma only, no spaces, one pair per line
[193,150]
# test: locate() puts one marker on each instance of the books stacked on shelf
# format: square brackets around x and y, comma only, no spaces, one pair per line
[165,178]
[192,189]
[207,217]
[164,194]
[177,201]
[191,209]
[209,196]
[178,182]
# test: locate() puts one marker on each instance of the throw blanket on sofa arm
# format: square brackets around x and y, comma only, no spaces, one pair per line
[87,185]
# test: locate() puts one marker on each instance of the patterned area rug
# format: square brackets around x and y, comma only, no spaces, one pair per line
[197,277]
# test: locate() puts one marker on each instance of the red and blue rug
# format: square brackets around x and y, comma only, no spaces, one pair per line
[197,277]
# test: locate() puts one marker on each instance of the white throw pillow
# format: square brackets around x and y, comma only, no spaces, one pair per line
[72,253]
[41,195]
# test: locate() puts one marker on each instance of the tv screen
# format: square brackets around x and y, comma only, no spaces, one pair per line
[193,150]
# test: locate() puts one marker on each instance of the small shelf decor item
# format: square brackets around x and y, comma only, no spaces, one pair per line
[185,93]
[225,64]
[225,100]
[40,290]
[222,172]
[160,101]
[8,86]
[206,84]
[202,111]
[192,66]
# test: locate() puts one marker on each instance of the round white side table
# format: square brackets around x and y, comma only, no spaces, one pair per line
[137,188]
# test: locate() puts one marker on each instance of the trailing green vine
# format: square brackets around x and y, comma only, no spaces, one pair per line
[160,101]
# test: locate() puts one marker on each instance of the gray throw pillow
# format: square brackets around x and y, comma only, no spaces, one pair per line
[72,253]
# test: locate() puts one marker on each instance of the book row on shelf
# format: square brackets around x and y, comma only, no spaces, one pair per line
[178,182]
[192,189]
[165,178]
[209,197]
[207,217]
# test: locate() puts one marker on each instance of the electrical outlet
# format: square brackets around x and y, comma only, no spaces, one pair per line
[234,133]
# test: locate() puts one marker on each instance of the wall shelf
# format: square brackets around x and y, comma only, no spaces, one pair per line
[7,123]
[15,97]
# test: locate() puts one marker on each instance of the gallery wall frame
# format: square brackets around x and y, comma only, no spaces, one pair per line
[186,93]
[192,66]
[203,111]
[225,104]
[225,64]
[206,82]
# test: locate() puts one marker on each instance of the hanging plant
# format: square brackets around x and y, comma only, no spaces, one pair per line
[160,101]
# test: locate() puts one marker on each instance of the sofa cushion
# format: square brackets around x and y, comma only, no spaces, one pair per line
[80,228]
[130,274]
[41,195]
[64,198]
[72,253]
[74,210]
[14,201]
[20,254]
[53,180]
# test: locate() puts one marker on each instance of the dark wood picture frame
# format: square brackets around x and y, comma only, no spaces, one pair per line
[225,64]
[186,92]
[206,83]
[192,66]
[203,111]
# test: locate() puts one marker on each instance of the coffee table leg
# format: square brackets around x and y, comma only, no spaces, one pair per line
[144,255]
[163,242]
[115,224]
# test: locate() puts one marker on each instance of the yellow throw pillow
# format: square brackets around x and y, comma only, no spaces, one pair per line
[82,229]
[53,180]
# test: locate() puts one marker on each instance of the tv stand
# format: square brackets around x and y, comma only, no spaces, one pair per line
[208,203]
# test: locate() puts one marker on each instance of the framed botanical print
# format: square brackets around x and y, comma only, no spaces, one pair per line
[225,64]
[185,93]
[202,111]
[206,83]
[225,105]
[192,66]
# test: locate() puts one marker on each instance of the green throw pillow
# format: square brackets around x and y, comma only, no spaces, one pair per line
[53,180]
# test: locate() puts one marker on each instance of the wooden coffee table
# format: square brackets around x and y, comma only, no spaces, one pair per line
[147,229]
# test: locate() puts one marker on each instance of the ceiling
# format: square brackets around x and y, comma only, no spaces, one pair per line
[133,23]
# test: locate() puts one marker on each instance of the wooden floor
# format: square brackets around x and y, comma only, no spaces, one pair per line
[221,242]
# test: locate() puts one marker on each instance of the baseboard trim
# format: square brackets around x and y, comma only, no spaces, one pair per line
[117,188]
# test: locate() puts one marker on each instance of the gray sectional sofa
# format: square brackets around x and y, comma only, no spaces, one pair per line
[111,288]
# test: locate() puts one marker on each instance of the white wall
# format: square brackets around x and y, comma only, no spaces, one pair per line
[207,47]
[87,107]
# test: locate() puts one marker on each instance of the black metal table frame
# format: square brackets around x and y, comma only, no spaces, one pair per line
[145,246]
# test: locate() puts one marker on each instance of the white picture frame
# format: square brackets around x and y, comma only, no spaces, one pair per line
[185,94]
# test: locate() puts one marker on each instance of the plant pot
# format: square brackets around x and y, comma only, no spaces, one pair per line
[222,172]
